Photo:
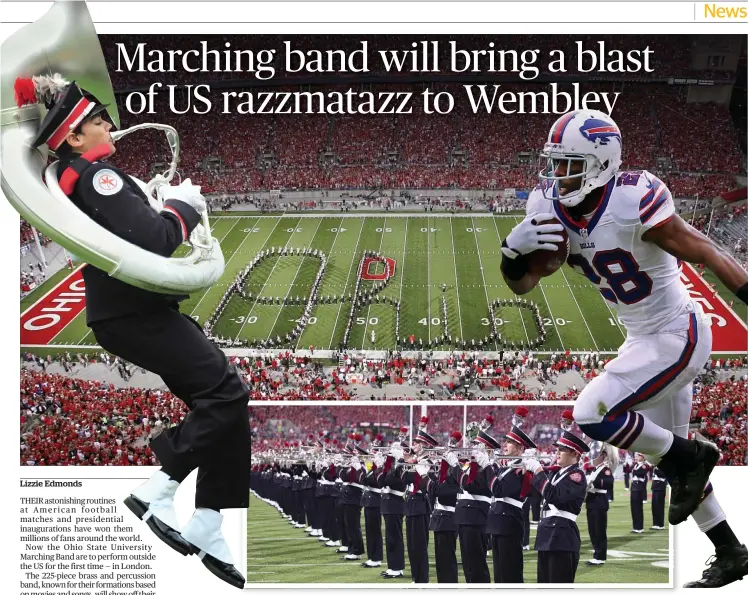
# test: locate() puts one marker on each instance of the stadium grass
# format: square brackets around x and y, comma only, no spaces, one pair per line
[278,553]
[461,253]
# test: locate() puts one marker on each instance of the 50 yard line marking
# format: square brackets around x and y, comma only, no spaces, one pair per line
[290,287]
[368,311]
[353,261]
[521,319]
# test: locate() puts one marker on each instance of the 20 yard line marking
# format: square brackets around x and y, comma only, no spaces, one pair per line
[521,318]
[580,310]
[355,250]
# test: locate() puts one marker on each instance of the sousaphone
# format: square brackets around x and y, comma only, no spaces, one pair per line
[64,41]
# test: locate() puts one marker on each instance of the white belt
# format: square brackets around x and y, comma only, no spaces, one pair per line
[375,490]
[439,506]
[638,479]
[467,496]
[324,482]
[512,501]
[553,511]
[598,491]
[356,485]
[395,492]
[346,483]
[657,479]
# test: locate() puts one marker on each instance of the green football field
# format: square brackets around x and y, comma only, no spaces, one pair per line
[278,553]
[460,252]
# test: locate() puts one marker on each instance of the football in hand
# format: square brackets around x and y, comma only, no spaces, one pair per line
[544,263]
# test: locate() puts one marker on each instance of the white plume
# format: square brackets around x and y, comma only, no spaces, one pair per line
[48,88]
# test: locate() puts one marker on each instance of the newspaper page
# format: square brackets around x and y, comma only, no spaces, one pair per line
[384,295]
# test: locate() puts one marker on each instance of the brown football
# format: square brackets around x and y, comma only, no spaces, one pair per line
[545,262]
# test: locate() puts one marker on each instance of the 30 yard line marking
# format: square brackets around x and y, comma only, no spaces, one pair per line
[290,237]
[580,310]
[348,276]
[521,319]
[290,287]
[368,311]
[329,253]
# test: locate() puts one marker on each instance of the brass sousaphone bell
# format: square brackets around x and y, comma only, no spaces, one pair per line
[64,41]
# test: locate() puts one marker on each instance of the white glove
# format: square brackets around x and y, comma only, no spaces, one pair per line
[423,469]
[533,465]
[356,463]
[531,234]
[531,452]
[482,459]
[397,453]
[451,458]
[378,460]
[188,193]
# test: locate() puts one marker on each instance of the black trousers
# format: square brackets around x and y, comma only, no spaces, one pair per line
[637,511]
[445,554]
[557,567]
[535,501]
[658,509]
[597,525]
[352,524]
[393,541]
[326,515]
[417,536]
[627,480]
[299,512]
[214,436]
[526,519]
[373,524]
[473,554]
[507,558]
[310,508]
[338,529]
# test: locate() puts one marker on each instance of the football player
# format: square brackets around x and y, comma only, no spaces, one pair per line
[627,239]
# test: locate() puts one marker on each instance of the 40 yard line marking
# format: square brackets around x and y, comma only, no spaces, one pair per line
[521,319]
[368,311]
[290,287]
[348,276]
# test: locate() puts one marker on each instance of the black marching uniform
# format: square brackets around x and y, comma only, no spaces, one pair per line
[371,502]
[443,492]
[393,508]
[639,475]
[147,329]
[351,508]
[659,485]
[326,503]
[417,513]
[558,541]
[599,483]
[471,515]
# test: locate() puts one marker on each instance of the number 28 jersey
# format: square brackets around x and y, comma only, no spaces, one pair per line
[639,279]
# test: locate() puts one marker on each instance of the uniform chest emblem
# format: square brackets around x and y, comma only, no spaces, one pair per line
[576,477]
[107,182]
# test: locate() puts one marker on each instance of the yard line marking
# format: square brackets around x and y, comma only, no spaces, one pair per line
[428,274]
[355,250]
[290,287]
[402,267]
[368,312]
[238,248]
[521,318]
[290,237]
[580,310]
[329,253]
[483,276]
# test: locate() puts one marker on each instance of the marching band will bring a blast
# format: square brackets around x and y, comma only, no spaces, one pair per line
[476,498]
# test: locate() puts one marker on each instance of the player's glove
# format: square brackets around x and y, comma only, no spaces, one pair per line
[533,465]
[188,193]
[532,234]
[451,458]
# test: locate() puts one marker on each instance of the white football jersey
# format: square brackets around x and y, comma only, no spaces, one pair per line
[638,278]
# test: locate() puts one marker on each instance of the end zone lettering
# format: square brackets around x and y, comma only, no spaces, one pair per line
[47,317]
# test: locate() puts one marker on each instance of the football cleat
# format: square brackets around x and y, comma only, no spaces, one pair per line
[727,565]
[688,487]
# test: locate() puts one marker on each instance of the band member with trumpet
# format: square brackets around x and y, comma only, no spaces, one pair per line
[341,482]
[393,507]
[324,492]
[639,477]
[599,483]
[352,493]
[332,531]
[557,541]
[147,329]
[443,492]
[371,501]
[510,486]
[659,486]
[418,506]
[473,503]
[628,465]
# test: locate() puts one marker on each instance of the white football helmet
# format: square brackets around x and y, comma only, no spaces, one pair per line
[589,136]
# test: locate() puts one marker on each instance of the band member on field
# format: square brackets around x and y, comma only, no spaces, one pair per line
[393,508]
[639,476]
[352,493]
[628,465]
[510,486]
[659,485]
[599,483]
[371,501]
[558,541]
[443,491]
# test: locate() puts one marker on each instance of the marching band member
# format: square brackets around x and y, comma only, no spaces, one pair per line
[558,541]
[599,483]
[473,503]
[443,492]
[510,486]
[628,465]
[418,508]
[371,501]
[659,485]
[333,525]
[324,492]
[352,492]
[393,507]
[639,474]
[341,482]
